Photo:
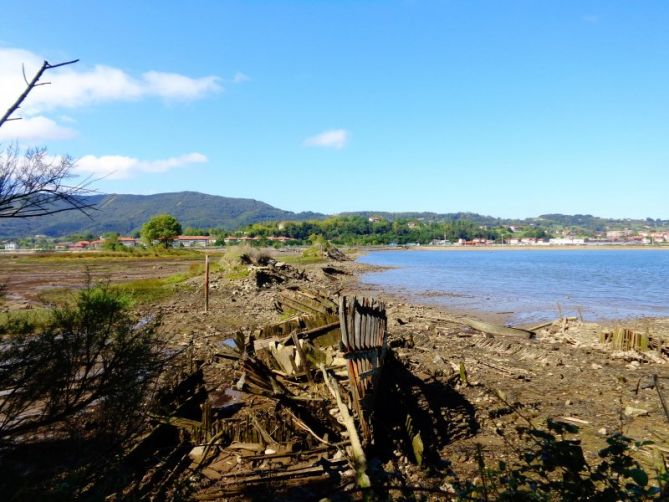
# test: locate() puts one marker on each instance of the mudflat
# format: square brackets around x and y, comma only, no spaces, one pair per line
[567,371]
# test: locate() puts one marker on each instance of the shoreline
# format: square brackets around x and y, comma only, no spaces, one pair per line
[596,247]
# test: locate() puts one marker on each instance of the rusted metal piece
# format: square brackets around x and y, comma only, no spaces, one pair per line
[363,341]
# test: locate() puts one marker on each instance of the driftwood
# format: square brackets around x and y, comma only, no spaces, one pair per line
[549,323]
[659,393]
[496,329]
[241,481]
[575,420]
[358,454]
[306,302]
[334,271]
[627,339]
[311,332]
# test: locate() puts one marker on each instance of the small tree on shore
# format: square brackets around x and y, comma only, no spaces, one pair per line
[162,228]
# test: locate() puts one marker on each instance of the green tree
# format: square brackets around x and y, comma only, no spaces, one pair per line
[111,242]
[162,228]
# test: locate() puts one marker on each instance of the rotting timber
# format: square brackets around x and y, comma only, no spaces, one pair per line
[307,398]
[292,406]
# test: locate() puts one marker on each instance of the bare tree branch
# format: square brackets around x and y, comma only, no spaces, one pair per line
[33,184]
[31,85]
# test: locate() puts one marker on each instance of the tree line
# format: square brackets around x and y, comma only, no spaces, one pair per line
[358,230]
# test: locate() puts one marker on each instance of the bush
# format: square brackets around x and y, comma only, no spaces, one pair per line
[553,467]
[235,261]
[93,356]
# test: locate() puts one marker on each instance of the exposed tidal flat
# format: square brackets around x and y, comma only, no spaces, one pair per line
[528,285]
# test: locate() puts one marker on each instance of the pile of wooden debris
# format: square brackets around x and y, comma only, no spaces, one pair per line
[289,404]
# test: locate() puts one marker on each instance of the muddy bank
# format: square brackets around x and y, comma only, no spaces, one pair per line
[569,370]
[251,406]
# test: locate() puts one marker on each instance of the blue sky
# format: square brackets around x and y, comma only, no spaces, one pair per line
[508,108]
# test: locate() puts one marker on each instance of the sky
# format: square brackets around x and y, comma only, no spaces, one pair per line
[509,108]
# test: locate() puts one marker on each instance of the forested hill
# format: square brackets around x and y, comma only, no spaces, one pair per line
[431,217]
[582,222]
[126,214]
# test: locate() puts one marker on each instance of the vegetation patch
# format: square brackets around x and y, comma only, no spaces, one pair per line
[138,291]
[95,256]
[234,264]
[303,260]
[22,321]
[153,289]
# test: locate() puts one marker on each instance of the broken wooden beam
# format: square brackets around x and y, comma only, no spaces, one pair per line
[496,329]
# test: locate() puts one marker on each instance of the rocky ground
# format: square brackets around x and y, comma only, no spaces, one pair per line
[468,391]
[565,372]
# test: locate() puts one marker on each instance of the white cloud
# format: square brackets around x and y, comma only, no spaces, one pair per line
[169,85]
[76,85]
[35,129]
[121,167]
[334,138]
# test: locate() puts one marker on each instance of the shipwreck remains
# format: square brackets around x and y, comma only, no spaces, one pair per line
[289,404]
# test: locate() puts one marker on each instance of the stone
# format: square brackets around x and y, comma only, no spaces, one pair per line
[196,454]
[634,412]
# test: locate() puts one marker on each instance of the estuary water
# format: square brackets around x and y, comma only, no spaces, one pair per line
[531,285]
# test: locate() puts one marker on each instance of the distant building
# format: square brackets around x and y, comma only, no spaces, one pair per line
[11,246]
[279,238]
[475,242]
[375,219]
[659,237]
[129,242]
[243,238]
[618,234]
[567,241]
[528,241]
[78,246]
[189,241]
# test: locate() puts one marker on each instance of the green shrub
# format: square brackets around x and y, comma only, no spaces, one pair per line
[553,467]
[93,355]
[236,260]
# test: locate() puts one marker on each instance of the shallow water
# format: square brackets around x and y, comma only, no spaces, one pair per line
[531,285]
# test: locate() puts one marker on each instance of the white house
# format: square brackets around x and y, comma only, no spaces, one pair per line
[567,241]
[189,241]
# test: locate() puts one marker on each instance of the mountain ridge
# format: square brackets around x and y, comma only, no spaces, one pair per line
[125,213]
